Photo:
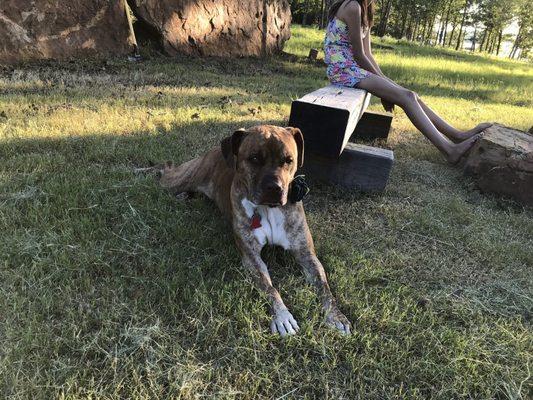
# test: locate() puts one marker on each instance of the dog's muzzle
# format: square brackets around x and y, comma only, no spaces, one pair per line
[272,192]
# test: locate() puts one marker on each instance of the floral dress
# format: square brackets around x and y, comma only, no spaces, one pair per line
[342,68]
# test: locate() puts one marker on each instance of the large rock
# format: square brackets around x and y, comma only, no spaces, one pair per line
[502,162]
[217,27]
[42,29]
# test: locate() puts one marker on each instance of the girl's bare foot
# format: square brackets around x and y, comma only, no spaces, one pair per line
[460,149]
[474,131]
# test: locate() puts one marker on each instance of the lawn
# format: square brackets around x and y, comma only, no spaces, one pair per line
[113,289]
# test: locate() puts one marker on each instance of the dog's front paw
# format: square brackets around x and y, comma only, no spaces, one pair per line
[284,323]
[338,320]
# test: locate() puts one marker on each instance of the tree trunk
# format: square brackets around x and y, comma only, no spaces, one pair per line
[431,26]
[382,28]
[439,31]
[407,25]
[441,25]
[488,42]
[423,36]
[462,25]
[483,39]
[516,43]
[322,8]
[454,24]
[499,41]
[409,31]
[493,43]
[446,25]
[415,30]
[474,39]
[304,18]
[404,19]
[460,40]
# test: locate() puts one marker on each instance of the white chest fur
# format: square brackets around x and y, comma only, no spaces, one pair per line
[272,229]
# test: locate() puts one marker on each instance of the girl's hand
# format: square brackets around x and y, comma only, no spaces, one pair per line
[388,106]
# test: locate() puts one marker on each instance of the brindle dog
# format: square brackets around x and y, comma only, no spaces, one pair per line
[249,177]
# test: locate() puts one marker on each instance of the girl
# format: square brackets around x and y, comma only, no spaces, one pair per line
[350,63]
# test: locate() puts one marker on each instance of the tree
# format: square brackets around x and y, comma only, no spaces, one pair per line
[524,37]
[442,22]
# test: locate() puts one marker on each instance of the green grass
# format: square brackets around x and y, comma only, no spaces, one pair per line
[111,288]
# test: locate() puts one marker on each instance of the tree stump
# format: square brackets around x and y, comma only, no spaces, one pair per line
[502,162]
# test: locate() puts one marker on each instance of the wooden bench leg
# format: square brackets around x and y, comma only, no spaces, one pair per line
[327,117]
[359,167]
[372,125]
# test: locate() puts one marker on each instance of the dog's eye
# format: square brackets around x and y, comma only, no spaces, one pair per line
[288,160]
[255,159]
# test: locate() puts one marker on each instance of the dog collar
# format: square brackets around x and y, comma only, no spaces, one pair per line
[298,189]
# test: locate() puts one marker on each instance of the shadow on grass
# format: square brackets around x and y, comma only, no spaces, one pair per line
[280,78]
[126,230]
[161,71]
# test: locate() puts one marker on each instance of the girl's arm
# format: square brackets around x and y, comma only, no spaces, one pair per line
[368,51]
[362,52]
[369,55]
[352,17]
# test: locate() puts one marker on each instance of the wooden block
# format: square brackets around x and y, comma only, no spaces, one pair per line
[359,167]
[313,54]
[502,162]
[373,125]
[327,117]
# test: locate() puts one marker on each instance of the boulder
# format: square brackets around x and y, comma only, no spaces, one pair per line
[502,162]
[54,29]
[217,27]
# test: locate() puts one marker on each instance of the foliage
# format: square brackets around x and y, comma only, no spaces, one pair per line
[441,22]
[308,12]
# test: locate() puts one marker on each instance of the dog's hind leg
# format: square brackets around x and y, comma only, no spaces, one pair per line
[184,178]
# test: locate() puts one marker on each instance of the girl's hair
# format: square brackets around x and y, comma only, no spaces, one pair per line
[367,11]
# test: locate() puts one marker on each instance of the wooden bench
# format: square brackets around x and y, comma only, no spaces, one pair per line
[328,118]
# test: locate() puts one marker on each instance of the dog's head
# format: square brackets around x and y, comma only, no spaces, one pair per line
[265,159]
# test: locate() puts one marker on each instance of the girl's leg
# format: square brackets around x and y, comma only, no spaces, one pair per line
[447,129]
[408,100]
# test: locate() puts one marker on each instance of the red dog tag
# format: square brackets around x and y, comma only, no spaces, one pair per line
[255,221]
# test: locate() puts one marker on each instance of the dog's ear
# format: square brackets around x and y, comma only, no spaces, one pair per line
[230,146]
[227,152]
[299,139]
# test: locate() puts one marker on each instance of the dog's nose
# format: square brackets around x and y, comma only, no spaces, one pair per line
[274,188]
